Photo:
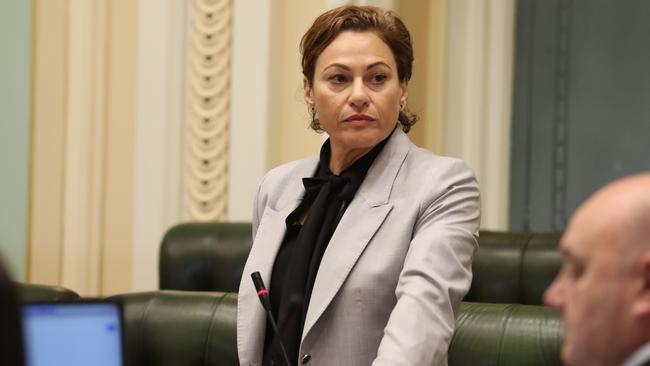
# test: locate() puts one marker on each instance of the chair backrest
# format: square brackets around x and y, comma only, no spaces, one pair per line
[204,256]
[508,267]
[181,328]
[514,267]
[506,335]
[29,292]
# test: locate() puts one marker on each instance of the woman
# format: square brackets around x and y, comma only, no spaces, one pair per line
[368,247]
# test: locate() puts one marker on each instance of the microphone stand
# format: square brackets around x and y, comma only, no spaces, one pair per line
[263,295]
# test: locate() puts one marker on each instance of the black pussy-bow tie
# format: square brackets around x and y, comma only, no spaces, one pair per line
[337,183]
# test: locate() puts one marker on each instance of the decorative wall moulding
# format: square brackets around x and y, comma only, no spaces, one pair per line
[206,168]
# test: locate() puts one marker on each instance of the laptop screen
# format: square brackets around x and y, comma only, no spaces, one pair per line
[72,334]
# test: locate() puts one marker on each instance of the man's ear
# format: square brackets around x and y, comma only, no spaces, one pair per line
[309,92]
[641,309]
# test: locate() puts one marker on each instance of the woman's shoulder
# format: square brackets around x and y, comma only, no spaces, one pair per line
[417,163]
[282,175]
[302,166]
[429,163]
[434,180]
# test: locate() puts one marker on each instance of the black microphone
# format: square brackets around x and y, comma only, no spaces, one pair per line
[263,295]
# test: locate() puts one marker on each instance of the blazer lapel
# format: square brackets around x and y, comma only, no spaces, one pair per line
[362,219]
[251,317]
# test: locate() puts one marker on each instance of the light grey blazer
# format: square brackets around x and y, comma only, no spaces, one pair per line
[394,271]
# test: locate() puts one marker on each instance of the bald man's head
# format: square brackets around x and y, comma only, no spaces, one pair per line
[620,211]
[603,289]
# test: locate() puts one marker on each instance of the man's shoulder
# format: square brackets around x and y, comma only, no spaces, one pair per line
[640,357]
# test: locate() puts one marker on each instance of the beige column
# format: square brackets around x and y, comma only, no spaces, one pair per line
[49,100]
[84,147]
[161,85]
[82,142]
[122,46]
[479,90]
[250,104]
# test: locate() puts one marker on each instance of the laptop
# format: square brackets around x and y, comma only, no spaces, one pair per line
[73,333]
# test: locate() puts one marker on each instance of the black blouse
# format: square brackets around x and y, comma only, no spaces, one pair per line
[326,198]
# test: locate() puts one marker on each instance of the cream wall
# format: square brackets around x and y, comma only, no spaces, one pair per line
[427,23]
[289,137]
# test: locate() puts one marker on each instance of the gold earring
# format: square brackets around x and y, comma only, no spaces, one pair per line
[315,123]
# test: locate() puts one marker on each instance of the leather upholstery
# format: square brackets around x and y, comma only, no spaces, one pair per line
[514,267]
[506,335]
[174,328]
[508,267]
[198,328]
[29,292]
[204,256]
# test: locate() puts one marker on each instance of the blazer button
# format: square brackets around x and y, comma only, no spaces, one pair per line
[305,358]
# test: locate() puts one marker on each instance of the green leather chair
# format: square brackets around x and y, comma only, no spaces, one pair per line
[514,267]
[29,292]
[506,335]
[204,256]
[181,328]
[508,267]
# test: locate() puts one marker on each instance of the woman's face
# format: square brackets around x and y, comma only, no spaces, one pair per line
[356,91]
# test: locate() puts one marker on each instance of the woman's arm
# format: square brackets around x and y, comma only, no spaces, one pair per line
[259,202]
[435,277]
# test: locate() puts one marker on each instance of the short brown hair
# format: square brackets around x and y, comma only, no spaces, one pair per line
[385,24]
